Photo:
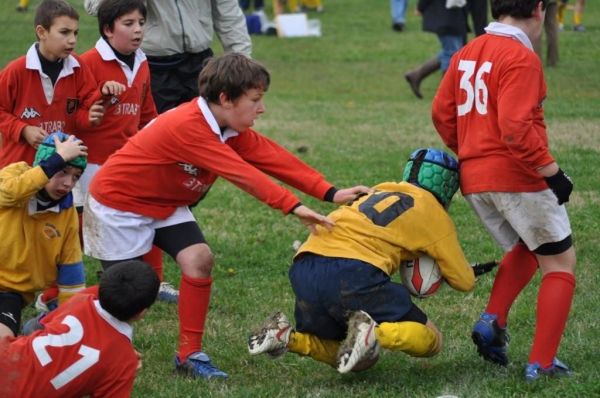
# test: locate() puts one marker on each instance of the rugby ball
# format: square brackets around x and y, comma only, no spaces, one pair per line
[421,276]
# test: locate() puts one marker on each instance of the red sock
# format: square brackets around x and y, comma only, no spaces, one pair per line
[516,270]
[553,306]
[194,297]
[50,293]
[155,259]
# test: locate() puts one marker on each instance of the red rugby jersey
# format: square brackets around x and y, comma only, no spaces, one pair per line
[83,351]
[126,114]
[28,98]
[175,159]
[488,110]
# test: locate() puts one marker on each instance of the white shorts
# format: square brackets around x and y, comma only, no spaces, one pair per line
[80,190]
[534,217]
[110,234]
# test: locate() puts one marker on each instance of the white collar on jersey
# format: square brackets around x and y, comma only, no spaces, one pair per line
[107,54]
[502,29]
[122,327]
[212,122]
[32,61]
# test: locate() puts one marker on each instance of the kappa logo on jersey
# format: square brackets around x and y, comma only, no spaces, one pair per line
[189,168]
[50,231]
[30,113]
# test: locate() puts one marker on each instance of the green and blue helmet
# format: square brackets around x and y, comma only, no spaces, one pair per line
[435,171]
[47,149]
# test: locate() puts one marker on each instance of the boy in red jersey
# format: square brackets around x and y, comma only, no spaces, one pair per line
[38,225]
[47,90]
[488,110]
[85,348]
[117,56]
[145,188]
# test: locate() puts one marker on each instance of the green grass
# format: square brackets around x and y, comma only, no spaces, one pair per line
[344,97]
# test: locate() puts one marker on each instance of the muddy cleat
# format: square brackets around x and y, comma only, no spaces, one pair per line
[359,343]
[198,365]
[45,305]
[167,293]
[534,371]
[272,338]
[491,340]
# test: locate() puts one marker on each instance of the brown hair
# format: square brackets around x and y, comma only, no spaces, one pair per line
[50,9]
[232,74]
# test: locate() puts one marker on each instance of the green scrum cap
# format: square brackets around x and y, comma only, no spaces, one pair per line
[47,149]
[433,170]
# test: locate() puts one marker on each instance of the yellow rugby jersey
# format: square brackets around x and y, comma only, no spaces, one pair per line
[395,223]
[33,246]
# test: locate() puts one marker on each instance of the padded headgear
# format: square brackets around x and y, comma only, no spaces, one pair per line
[433,170]
[47,149]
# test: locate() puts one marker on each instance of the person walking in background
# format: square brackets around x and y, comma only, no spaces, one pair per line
[23,5]
[510,178]
[478,9]
[551,30]
[577,15]
[398,9]
[178,42]
[450,26]
[258,5]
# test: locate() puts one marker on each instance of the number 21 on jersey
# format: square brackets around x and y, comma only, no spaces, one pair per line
[89,356]
[477,91]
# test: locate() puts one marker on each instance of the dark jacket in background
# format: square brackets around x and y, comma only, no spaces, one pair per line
[443,21]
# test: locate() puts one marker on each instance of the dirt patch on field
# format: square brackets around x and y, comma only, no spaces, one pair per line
[575,133]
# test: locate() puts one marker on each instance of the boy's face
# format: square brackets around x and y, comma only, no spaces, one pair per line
[59,41]
[63,182]
[127,33]
[246,109]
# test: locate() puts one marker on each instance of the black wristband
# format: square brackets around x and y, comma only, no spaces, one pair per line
[556,178]
[330,194]
[561,184]
[295,207]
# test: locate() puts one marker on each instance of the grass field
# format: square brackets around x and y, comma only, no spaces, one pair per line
[343,96]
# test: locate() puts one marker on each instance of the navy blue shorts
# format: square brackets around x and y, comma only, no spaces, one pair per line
[329,288]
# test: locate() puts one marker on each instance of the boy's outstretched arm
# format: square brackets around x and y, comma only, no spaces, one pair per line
[349,194]
[311,219]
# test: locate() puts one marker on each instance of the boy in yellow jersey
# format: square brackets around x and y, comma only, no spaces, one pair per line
[347,271]
[39,229]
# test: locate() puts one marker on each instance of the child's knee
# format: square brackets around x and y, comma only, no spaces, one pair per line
[413,338]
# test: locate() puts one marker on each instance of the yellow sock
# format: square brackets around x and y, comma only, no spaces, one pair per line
[577,18]
[413,338]
[318,349]
[560,15]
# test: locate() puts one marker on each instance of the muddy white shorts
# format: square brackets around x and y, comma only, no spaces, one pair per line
[80,190]
[110,234]
[534,217]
